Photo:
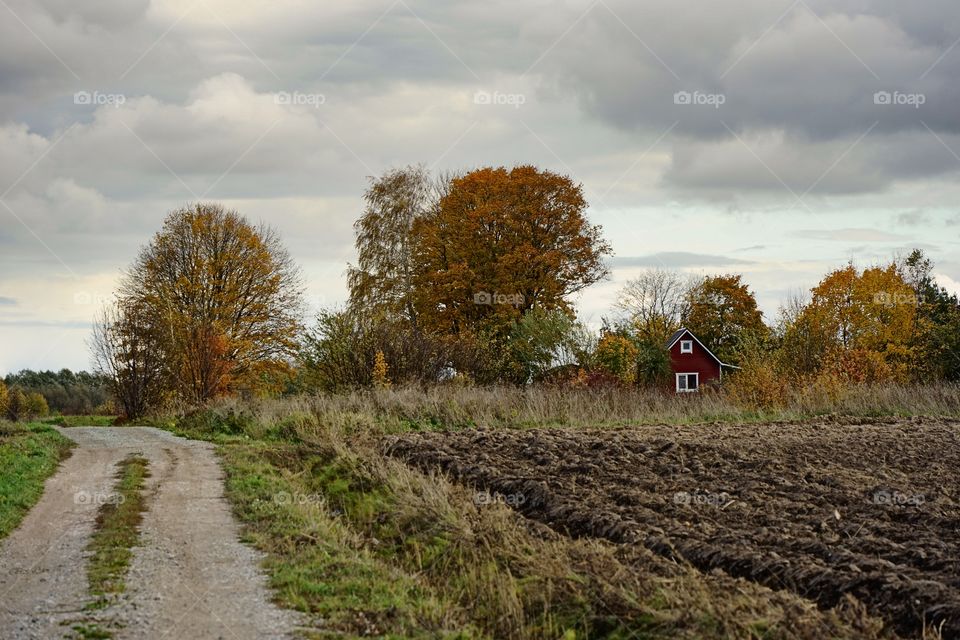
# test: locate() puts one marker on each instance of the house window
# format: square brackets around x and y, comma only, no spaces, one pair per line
[688,382]
[686,346]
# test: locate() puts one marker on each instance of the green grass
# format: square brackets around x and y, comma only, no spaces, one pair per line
[90,631]
[81,421]
[29,454]
[117,531]
[317,564]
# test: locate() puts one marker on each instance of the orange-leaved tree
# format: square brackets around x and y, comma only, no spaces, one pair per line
[723,313]
[220,298]
[502,242]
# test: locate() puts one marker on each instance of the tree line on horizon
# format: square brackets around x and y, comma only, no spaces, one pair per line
[29,393]
[467,278]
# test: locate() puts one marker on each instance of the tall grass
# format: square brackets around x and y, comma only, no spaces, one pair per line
[448,407]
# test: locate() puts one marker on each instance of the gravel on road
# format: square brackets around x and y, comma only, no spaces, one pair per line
[190,576]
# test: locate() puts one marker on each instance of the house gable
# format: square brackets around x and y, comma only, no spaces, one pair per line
[693,364]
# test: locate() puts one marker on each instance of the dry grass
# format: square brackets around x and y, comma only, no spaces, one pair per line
[448,407]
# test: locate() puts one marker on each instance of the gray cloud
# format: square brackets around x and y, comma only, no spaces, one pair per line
[849,235]
[45,323]
[913,218]
[88,184]
[676,259]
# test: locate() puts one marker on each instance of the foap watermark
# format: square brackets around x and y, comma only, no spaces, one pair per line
[98,498]
[897,98]
[699,98]
[698,498]
[99,99]
[84,298]
[298,99]
[887,299]
[482,498]
[515,100]
[487,298]
[897,499]
[284,497]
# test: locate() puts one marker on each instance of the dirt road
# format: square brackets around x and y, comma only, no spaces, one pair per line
[190,576]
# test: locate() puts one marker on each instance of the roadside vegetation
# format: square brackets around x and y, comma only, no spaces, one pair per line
[369,546]
[468,279]
[29,454]
[81,421]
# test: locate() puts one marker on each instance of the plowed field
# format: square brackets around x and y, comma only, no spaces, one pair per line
[870,509]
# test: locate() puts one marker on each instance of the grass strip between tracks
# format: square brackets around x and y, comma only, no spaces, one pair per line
[117,529]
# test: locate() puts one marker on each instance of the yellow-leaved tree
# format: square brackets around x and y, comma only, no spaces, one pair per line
[4,399]
[212,299]
[722,312]
[859,325]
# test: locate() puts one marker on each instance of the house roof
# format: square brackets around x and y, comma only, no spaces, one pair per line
[683,330]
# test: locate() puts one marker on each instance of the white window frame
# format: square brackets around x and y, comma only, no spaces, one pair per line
[696,375]
[686,346]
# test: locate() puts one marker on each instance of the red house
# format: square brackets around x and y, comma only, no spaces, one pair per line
[694,365]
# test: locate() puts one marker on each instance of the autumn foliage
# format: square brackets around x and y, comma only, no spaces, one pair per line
[508,239]
[469,279]
[722,312]
[860,324]
[466,277]
[211,306]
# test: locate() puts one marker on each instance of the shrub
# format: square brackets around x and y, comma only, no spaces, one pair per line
[654,367]
[340,352]
[36,405]
[617,356]
[758,386]
[17,405]
[381,371]
[858,366]
[209,421]
[4,399]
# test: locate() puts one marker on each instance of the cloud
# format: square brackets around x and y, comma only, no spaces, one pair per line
[948,283]
[799,134]
[676,259]
[913,218]
[812,71]
[62,324]
[849,235]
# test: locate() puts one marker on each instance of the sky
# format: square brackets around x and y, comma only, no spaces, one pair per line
[778,139]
